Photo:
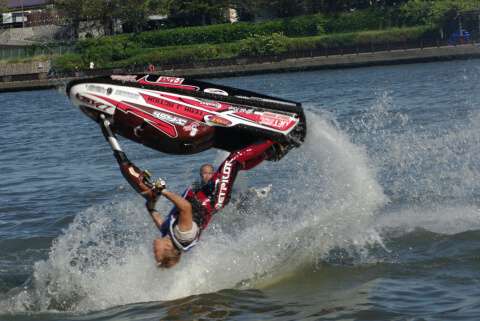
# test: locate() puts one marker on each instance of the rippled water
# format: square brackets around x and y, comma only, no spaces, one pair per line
[376,216]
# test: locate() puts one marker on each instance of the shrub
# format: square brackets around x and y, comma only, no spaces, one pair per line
[68,62]
[262,45]
[31,49]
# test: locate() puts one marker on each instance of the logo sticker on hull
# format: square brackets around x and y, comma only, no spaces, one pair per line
[124,78]
[192,128]
[218,120]
[170,118]
[216,91]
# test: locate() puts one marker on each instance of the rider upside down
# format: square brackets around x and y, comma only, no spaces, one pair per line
[183,226]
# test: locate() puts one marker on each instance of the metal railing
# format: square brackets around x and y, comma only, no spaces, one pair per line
[224,62]
[42,50]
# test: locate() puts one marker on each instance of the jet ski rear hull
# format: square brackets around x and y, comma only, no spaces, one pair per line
[182,116]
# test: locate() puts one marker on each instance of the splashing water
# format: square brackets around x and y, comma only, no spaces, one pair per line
[323,197]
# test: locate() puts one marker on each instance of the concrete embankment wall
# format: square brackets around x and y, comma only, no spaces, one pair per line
[288,65]
[45,34]
[24,68]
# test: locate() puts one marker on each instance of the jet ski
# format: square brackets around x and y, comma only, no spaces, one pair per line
[184,116]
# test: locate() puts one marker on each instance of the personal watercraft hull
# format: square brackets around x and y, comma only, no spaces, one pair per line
[183,116]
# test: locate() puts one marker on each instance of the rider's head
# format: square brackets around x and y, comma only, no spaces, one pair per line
[166,253]
[206,172]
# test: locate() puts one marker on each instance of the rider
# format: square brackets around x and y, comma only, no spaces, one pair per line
[192,212]
[206,172]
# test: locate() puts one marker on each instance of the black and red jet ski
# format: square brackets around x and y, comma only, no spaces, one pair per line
[185,116]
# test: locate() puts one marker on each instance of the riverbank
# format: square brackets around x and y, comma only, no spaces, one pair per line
[392,57]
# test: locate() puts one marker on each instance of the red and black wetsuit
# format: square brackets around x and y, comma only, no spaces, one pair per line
[216,193]
[209,199]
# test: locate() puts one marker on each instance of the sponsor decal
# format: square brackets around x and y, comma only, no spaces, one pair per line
[170,118]
[276,121]
[159,101]
[92,102]
[127,94]
[203,104]
[189,112]
[192,110]
[109,91]
[195,102]
[215,91]
[211,104]
[192,128]
[276,116]
[244,110]
[96,88]
[218,120]
[132,171]
[170,80]
[124,78]
[224,183]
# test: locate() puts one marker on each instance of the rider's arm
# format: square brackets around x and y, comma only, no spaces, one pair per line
[185,218]
[157,219]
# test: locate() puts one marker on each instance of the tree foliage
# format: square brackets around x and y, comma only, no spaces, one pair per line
[136,12]
[132,12]
[332,15]
[72,10]
[105,11]
[3,9]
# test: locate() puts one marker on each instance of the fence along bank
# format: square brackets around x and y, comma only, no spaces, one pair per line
[340,57]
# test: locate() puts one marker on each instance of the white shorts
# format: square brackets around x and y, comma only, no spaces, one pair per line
[187,236]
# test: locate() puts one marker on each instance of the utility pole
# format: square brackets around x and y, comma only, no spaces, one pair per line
[23,18]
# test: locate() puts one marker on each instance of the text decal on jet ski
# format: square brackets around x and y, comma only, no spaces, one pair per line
[167,105]
[277,121]
[92,102]
[225,181]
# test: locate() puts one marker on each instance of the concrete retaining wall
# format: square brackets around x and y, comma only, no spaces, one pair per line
[43,34]
[288,65]
[24,68]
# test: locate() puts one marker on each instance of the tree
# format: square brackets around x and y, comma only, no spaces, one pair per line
[252,7]
[73,11]
[3,9]
[107,12]
[136,12]
[206,11]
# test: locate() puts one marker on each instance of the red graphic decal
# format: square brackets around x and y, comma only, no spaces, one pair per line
[163,126]
[276,121]
[168,84]
[210,105]
[170,80]
[175,107]
[94,103]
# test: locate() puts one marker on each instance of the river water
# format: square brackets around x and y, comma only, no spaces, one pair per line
[375,217]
